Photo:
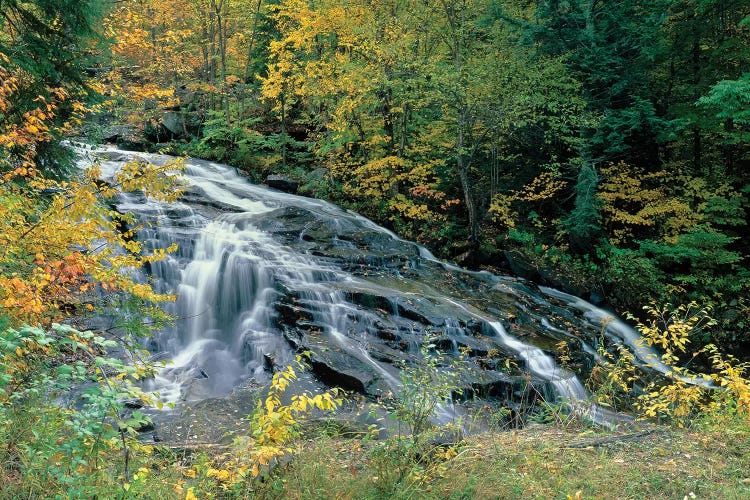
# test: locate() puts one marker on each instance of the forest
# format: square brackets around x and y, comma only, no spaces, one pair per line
[599,148]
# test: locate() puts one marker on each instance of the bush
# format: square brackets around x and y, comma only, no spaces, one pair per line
[62,411]
[682,396]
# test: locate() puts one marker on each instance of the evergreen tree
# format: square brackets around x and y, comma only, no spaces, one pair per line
[48,45]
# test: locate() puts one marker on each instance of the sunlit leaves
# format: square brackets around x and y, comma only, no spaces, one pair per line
[275,423]
[670,204]
[273,427]
[683,395]
[59,239]
[543,188]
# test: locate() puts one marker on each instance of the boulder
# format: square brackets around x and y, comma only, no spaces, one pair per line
[318,174]
[118,133]
[282,183]
[125,137]
[175,123]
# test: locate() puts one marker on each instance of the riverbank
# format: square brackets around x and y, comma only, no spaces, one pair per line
[544,462]
[566,461]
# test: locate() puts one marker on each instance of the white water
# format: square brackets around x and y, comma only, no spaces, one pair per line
[228,274]
[617,328]
[225,276]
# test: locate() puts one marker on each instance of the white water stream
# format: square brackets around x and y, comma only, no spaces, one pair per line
[229,274]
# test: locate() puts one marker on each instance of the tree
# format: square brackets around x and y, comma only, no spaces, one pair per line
[356,75]
[47,45]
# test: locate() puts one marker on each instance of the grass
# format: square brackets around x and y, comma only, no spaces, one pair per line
[538,462]
[709,460]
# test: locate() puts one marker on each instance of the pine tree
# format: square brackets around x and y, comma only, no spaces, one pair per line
[48,45]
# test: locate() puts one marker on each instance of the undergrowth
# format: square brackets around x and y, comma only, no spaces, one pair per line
[692,429]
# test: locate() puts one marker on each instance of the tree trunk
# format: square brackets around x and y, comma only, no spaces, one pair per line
[697,144]
[462,164]
[283,133]
[249,59]
[221,37]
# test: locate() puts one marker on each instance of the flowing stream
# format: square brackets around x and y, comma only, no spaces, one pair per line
[261,274]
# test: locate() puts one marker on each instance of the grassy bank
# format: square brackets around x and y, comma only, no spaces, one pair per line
[708,459]
[540,462]
[545,462]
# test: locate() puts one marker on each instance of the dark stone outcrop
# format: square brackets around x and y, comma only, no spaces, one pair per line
[282,183]
[401,299]
[125,136]
[118,133]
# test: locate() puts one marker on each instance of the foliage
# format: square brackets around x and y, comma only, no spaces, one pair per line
[62,444]
[53,230]
[408,458]
[192,57]
[45,46]
[64,248]
[582,225]
[52,246]
[684,396]
[426,387]
[542,189]
[611,381]
[274,424]
[273,429]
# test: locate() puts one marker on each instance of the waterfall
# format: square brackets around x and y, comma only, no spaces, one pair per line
[260,274]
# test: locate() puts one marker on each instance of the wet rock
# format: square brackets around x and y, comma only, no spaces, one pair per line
[411,310]
[117,133]
[125,137]
[118,156]
[334,366]
[296,274]
[269,362]
[133,404]
[211,420]
[282,183]
[370,300]
[332,371]
[145,427]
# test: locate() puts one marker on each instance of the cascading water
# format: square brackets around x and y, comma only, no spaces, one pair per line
[260,274]
[618,329]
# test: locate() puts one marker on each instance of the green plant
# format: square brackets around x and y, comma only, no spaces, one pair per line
[274,423]
[410,458]
[69,398]
[611,380]
[426,387]
[682,396]
[274,426]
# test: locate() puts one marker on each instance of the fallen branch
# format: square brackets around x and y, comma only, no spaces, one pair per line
[604,441]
